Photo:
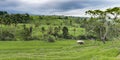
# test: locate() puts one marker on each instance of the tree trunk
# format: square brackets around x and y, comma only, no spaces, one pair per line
[106,32]
[101,37]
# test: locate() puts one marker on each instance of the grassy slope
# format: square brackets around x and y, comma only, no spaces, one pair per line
[42,23]
[37,31]
[60,50]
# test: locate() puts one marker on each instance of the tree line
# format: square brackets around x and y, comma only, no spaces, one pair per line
[7,19]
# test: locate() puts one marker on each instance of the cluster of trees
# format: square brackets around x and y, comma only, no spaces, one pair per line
[26,32]
[55,33]
[105,25]
[11,19]
[7,19]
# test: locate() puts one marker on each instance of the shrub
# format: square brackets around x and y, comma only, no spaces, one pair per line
[51,38]
[6,36]
[56,30]
[65,32]
[50,31]
[43,29]
[27,34]
[47,23]
[60,36]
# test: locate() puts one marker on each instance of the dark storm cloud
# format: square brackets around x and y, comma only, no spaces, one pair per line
[71,5]
[52,6]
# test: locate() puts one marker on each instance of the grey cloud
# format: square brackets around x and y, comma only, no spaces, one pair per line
[15,6]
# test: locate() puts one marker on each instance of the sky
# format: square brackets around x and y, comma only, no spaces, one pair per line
[56,7]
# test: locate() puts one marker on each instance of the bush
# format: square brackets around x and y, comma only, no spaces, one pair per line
[51,38]
[27,34]
[65,32]
[43,29]
[6,36]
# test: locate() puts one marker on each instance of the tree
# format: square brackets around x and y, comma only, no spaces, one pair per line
[50,30]
[43,29]
[97,24]
[74,31]
[70,22]
[65,32]
[56,30]
[115,12]
[27,33]
[3,12]
[101,24]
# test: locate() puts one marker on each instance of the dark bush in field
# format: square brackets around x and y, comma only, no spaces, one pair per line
[65,32]
[51,38]
[6,36]
[43,29]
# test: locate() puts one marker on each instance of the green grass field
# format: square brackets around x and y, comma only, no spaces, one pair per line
[59,50]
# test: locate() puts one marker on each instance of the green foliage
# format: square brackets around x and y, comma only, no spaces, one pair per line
[50,30]
[6,35]
[27,33]
[8,19]
[43,29]
[102,25]
[56,31]
[65,32]
[3,12]
[51,38]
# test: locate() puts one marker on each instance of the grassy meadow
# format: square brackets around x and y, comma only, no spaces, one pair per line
[60,50]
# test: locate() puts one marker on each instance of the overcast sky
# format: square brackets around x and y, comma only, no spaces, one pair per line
[56,7]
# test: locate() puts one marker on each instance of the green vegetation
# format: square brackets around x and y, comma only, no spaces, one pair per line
[30,27]
[59,50]
[33,37]
[103,24]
